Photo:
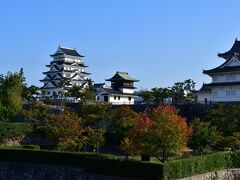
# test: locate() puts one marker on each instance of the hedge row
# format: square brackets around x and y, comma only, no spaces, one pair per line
[111,165]
[91,162]
[13,130]
[199,165]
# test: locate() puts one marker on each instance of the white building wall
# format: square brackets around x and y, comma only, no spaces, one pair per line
[121,101]
[77,69]
[114,99]
[202,96]
[226,94]
[228,77]
[126,90]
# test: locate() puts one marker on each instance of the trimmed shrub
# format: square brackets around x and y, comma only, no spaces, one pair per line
[236,159]
[111,165]
[14,130]
[197,165]
[91,162]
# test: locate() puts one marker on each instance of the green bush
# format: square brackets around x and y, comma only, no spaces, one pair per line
[197,165]
[14,130]
[236,159]
[112,165]
[91,162]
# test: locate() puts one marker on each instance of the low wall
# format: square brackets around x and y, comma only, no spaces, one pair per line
[220,175]
[31,171]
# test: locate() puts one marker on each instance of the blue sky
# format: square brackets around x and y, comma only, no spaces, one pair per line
[157,42]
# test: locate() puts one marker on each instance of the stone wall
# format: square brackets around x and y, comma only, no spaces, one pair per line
[219,175]
[31,171]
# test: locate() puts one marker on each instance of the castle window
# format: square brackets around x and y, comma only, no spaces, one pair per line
[228,77]
[228,93]
[214,93]
[115,97]
[129,98]
[118,97]
[233,76]
[215,78]
[233,92]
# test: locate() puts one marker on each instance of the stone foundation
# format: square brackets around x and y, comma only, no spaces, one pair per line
[230,174]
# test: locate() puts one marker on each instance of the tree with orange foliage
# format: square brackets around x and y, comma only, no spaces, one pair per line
[66,131]
[160,133]
[137,142]
[169,133]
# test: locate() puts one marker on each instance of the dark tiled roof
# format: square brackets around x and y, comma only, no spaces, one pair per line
[122,76]
[223,84]
[48,72]
[86,73]
[117,92]
[204,89]
[235,49]
[222,69]
[98,85]
[65,63]
[46,79]
[53,83]
[67,51]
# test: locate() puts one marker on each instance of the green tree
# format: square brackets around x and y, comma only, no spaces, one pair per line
[76,92]
[95,138]
[10,94]
[229,142]
[30,93]
[64,84]
[204,136]
[84,92]
[94,114]
[159,94]
[123,119]
[146,95]
[37,113]
[225,117]
[88,92]
[183,91]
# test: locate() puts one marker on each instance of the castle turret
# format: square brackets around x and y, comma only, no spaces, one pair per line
[67,65]
[225,85]
[121,90]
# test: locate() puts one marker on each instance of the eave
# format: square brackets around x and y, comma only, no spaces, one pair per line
[224,84]
[120,80]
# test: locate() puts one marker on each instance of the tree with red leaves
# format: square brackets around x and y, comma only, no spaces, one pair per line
[160,133]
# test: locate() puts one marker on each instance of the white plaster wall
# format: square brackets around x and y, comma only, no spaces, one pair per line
[126,90]
[123,100]
[51,91]
[202,96]
[223,77]
[234,63]
[221,95]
